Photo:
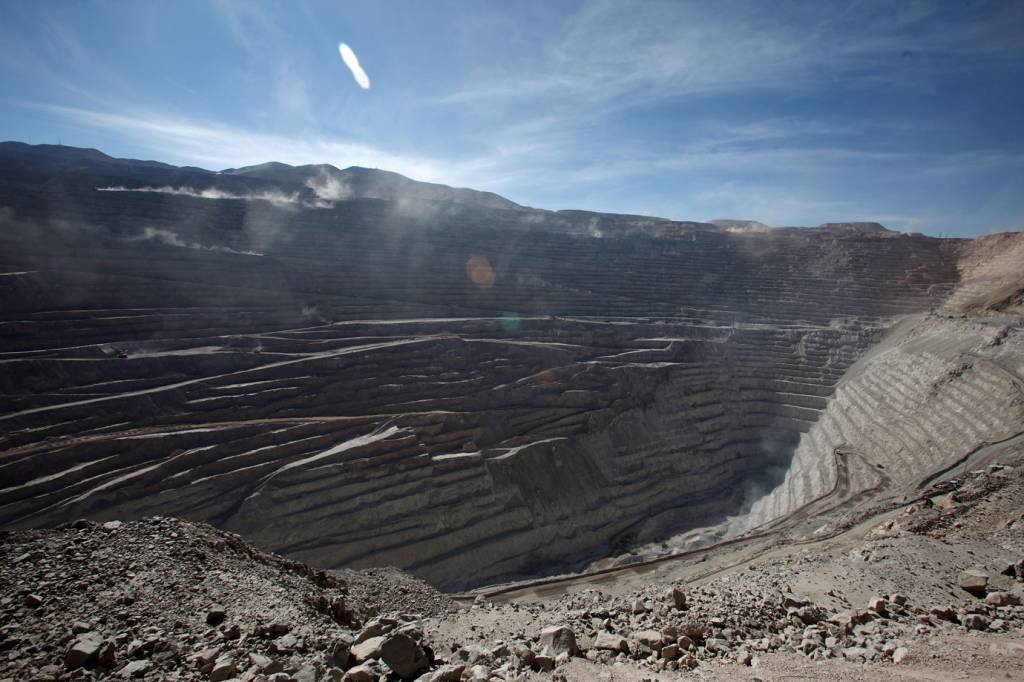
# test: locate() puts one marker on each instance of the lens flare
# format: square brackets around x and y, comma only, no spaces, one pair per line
[480,272]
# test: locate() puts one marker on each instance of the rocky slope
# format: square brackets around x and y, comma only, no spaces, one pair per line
[931,589]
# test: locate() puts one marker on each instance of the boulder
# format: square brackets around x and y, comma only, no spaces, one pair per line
[223,668]
[83,652]
[278,629]
[809,615]
[479,673]
[791,600]
[607,641]
[216,614]
[365,650]
[375,628]
[649,639]
[849,620]
[974,581]
[878,605]
[306,673]
[340,652]
[404,656]
[361,673]
[675,598]
[134,669]
[558,639]
[975,621]
[106,657]
[446,673]
[694,631]
[286,644]
[716,645]
[1002,599]
[339,611]
[259,661]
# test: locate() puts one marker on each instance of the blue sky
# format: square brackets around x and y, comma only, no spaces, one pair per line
[909,113]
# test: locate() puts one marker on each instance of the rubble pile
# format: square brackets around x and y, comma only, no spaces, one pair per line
[166,599]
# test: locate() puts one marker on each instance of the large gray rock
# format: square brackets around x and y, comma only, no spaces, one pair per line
[607,641]
[717,645]
[134,669]
[365,650]
[446,673]
[223,669]
[675,598]
[375,628]
[974,581]
[558,639]
[106,657]
[974,621]
[340,652]
[1002,599]
[83,652]
[306,673]
[649,639]
[404,656]
[216,614]
[361,673]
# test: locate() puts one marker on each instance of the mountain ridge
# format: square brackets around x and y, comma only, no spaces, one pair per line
[325,182]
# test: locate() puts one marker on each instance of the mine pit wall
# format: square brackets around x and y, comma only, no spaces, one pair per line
[679,436]
[688,455]
[938,388]
[698,362]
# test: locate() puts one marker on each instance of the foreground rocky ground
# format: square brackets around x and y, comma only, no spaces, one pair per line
[932,588]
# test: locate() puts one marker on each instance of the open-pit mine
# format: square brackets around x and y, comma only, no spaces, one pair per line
[351,369]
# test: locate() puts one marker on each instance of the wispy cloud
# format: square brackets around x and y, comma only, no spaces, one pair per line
[614,55]
[274,59]
[221,146]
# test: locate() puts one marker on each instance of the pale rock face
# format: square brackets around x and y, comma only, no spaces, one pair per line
[558,639]
[367,649]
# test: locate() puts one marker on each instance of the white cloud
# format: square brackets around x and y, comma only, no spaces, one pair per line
[619,55]
[352,62]
[219,146]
